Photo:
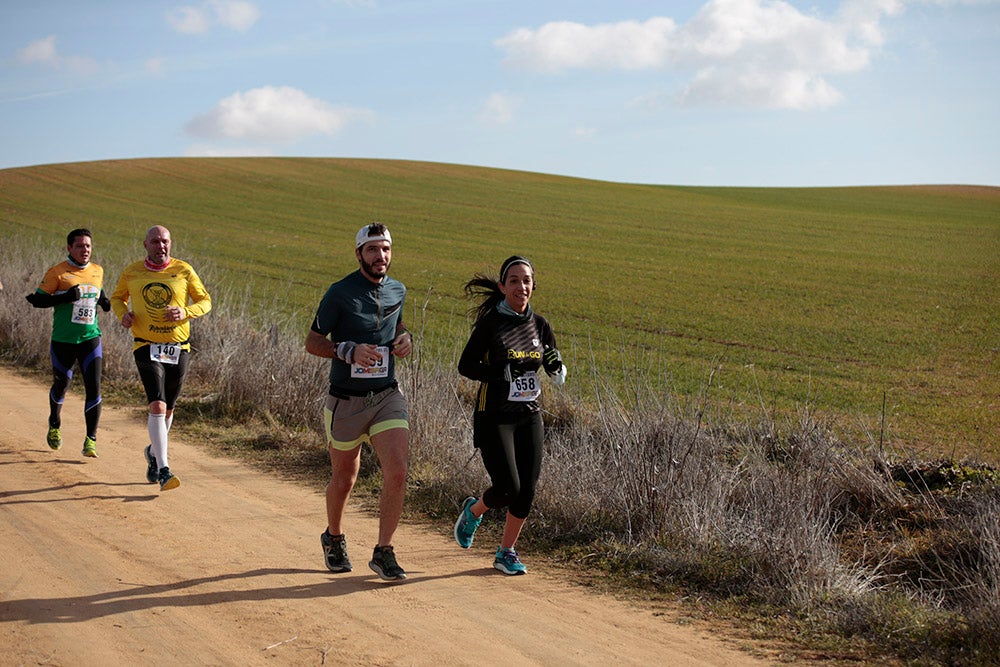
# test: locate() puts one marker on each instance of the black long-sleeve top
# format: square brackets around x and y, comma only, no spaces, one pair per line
[496,341]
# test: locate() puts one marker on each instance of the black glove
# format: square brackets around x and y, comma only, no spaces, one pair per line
[39,300]
[552,360]
[69,296]
[43,300]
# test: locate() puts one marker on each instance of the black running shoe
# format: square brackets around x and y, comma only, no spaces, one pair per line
[168,480]
[152,471]
[383,563]
[335,552]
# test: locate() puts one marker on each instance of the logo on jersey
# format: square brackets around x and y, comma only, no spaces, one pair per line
[521,354]
[157,295]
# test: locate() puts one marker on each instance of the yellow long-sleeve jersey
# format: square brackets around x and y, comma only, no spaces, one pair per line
[150,292]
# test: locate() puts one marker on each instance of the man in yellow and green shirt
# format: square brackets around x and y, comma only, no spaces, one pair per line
[73,289]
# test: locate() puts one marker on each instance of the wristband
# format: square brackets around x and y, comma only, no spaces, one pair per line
[345,351]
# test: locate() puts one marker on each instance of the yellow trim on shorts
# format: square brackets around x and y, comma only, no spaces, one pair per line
[388,425]
[375,429]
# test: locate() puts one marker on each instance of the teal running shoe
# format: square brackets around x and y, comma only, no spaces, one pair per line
[507,562]
[465,527]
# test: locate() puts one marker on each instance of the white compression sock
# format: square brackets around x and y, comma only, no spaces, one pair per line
[158,439]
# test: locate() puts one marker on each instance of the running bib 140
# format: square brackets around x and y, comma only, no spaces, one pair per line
[165,353]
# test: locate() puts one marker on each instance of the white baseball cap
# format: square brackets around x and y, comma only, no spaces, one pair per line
[376,231]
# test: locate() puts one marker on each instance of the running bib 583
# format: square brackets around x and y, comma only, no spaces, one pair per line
[85,308]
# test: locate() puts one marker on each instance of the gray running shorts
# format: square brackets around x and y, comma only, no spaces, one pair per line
[353,420]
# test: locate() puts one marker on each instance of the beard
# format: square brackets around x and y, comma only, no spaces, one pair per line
[368,269]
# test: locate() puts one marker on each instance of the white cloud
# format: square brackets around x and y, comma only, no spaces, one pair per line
[189,20]
[43,52]
[563,45]
[40,51]
[233,14]
[155,65]
[206,150]
[793,89]
[240,16]
[498,109]
[758,53]
[272,114]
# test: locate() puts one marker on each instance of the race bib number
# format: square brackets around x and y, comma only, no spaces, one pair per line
[525,388]
[165,353]
[85,308]
[379,370]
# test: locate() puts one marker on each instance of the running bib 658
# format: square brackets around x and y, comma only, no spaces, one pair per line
[525,388]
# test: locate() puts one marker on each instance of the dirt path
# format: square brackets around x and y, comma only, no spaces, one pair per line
[100,568]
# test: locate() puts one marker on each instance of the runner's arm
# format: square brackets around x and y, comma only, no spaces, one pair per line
[201,301]
[119,298]
[42,299]
[472,362]
[402,343]
[320,345]
[103,301]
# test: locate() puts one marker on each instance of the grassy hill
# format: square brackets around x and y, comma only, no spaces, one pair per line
[835,298]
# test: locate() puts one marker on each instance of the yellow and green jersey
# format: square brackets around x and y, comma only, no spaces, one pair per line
[76,321]
[150,292]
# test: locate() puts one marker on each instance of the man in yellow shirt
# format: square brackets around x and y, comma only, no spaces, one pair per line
[157,298]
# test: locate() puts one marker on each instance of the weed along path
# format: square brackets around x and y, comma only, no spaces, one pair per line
[101,568]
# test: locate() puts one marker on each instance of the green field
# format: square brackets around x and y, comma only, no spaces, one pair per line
[832,298]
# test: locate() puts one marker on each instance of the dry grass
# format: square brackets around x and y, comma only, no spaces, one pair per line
[832,545]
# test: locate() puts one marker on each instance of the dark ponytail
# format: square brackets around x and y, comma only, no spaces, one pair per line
[484,289]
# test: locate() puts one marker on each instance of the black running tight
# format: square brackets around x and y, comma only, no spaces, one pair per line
[512,454]
[89,356]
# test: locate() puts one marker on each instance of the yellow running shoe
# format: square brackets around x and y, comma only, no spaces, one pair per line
[54,438]
[168,480]
[90,447]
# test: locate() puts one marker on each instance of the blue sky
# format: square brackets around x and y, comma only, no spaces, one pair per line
[711,92]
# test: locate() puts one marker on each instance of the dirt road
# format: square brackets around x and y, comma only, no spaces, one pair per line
[100,568]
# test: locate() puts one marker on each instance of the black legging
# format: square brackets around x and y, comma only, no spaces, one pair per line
[512,454]
[161,382]
[88,355]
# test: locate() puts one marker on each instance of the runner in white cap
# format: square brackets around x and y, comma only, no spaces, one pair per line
[359,325]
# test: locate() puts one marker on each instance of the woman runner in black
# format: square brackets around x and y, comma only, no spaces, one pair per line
[508,346]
